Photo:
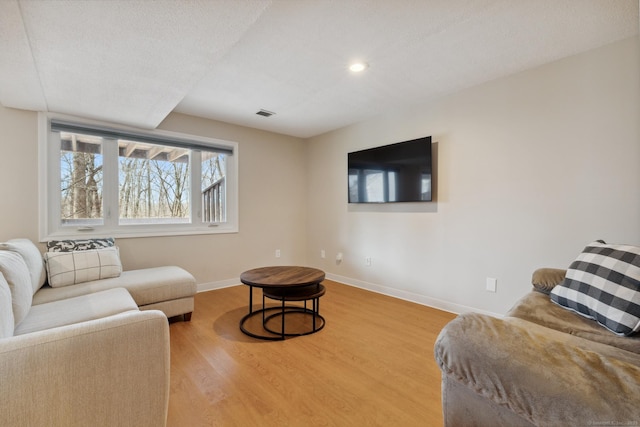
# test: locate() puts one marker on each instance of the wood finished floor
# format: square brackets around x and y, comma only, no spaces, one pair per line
[372,365]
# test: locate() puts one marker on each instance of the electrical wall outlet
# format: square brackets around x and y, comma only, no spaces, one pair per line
[322,254]
[367,261]
[277,253]
[492,284]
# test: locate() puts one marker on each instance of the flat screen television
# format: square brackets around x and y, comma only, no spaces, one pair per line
[399,172]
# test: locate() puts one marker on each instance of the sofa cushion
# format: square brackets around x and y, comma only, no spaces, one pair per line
[16,273]
[146,286]
[70,268]
[79,244]
[32,257]
[76,310]
[6,312]
[603,284]
[536,307]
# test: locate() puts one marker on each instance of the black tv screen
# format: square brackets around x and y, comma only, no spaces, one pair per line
[398,172]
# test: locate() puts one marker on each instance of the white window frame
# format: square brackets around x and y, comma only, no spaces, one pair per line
[50,225]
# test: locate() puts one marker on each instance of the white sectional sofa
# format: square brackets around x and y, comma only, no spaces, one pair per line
[84,353]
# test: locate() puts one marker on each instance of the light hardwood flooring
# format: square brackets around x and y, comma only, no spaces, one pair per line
[372,365]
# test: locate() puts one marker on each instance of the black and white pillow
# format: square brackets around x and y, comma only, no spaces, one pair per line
[603,284]
[79,244]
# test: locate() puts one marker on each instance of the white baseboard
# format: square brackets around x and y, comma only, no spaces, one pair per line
[384,290]
[410,296]
[212,286]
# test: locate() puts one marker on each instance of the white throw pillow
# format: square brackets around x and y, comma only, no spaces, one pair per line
[70,268]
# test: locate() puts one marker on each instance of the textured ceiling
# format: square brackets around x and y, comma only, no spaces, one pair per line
[133,62]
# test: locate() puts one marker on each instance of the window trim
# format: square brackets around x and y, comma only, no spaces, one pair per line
[50,226]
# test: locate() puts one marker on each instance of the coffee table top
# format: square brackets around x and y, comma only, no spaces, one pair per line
[282,276]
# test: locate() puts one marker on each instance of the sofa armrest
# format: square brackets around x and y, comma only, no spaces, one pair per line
[110,371]
[545,279]
[544,376]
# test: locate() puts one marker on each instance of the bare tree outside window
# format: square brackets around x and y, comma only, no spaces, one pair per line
[81,178]
[154,183]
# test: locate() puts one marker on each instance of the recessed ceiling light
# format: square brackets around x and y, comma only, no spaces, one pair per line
[358,67]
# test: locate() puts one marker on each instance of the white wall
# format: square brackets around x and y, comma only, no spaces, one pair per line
[272,201]
[18,174]
[530,168]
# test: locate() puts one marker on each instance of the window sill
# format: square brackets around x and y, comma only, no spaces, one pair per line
[123,233]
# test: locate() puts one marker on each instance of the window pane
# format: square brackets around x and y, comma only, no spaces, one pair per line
[375,185]
[391,186]
[213,186]
[354,186]
[80,179]
[153,183]
[425,187]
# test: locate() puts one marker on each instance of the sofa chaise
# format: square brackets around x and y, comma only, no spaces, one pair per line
[567,353]
[169,289]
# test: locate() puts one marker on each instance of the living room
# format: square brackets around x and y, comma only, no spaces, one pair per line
[530,167]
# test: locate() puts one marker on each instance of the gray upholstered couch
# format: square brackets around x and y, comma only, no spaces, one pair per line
[540,365]
[85,354]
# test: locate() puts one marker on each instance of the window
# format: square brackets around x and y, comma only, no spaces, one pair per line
[379,185]
[122,182]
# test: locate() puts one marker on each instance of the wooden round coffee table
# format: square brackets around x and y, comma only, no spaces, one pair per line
[284,283]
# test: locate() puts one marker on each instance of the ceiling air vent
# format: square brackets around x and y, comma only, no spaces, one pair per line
[265,113]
